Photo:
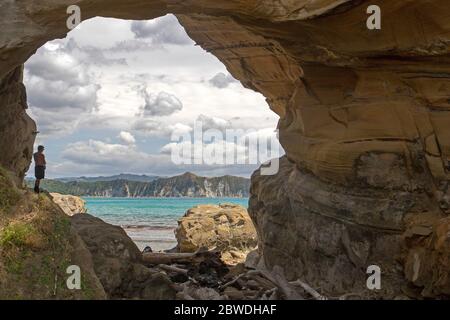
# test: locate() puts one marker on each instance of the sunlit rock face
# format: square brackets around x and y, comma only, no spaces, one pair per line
[71,205]
[364,119]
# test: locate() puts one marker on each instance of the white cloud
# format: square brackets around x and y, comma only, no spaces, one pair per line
[226,147]
[95,157]
[150,127]
[164,30]
[99,152]
[60,90]
[52,95]
[126,138]
[54,65]
[221,80]
[101,33]
[98,157]
[179,129]
[134,45]
[213,122]
[161,104]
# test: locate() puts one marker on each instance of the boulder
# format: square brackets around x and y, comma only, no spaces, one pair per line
[69,204]
[117,262]
[113,252]
[225,227]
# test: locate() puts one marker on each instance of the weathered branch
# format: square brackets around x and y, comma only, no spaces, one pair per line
[156,258]
[168,268]
[285,287]
[308,289]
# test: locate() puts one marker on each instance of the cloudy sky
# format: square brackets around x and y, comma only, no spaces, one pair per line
[109,98]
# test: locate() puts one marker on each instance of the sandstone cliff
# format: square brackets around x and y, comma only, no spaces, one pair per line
[225,227]
[364,120]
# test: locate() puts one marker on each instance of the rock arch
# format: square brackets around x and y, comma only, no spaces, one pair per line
[364,119]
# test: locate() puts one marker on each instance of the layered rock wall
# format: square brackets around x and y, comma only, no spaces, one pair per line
[329,234]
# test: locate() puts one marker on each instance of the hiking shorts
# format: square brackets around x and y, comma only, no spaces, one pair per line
[39,172]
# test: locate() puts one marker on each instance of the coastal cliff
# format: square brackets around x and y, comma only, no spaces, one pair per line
[186,185]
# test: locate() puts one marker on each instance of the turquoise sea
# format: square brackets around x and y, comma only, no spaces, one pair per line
[149,221]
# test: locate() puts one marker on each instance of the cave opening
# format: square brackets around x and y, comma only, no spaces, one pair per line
[123,114]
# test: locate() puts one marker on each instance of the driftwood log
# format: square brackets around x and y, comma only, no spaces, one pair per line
[288,290]
[154,258]
[251,284]
[173,269]
[308,289]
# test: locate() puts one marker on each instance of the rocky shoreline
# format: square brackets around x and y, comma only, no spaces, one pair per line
[213,242]
[226,228]
[126,273]
[216,258]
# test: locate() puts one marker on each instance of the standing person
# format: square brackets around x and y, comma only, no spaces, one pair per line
[39,167]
